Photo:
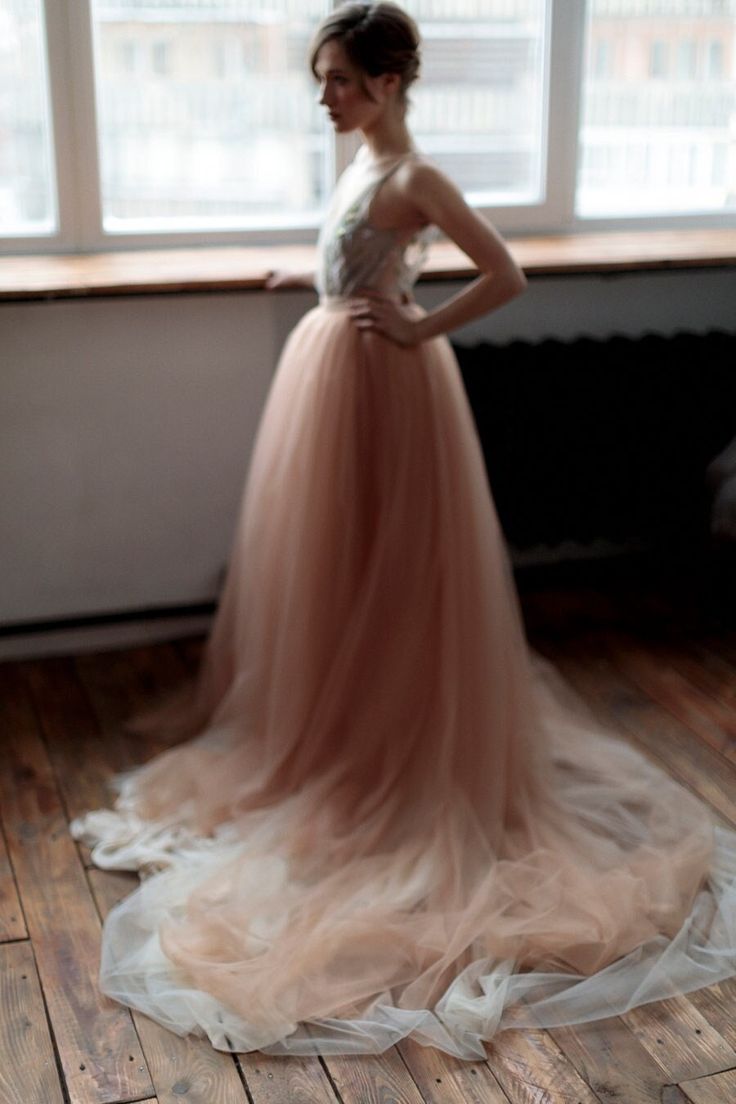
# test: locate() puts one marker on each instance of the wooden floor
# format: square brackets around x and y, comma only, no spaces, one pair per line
[666,677]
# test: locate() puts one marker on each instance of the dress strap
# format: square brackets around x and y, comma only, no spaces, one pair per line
[373,188]
[393,167]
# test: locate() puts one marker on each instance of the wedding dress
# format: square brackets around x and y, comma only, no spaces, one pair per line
[386,815]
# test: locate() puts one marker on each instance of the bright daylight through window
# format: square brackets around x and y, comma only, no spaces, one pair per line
[27,193]
[658,115]
[205,116]
[208,115]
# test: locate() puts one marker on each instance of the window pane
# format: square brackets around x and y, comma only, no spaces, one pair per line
[27,202]
[480,101]
[207,113]
[658,132]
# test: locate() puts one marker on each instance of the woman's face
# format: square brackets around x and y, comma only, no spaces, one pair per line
[342,89]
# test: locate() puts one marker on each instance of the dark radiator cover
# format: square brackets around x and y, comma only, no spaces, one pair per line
[602,439]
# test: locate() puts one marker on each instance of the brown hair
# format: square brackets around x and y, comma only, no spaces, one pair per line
[377,38]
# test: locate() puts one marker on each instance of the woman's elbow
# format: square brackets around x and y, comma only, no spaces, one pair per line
[515,282]
[519,282]
[506,283]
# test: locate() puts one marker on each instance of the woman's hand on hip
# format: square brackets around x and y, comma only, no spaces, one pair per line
[371,311]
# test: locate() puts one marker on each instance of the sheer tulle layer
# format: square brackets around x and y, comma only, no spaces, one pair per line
[389,816]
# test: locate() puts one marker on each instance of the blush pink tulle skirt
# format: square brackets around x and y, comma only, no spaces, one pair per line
[387,816]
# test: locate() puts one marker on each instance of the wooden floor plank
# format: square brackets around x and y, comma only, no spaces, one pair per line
[12,921]
[610,1059]
[442,1079]
[372,1078]
[680,1039]
[81,707]
[719,1088]
[717,1004]
[532,1069]
[285,1079]
[28,1073]
[626,709]
[82,755]
[181,1068]
[653,669]
[94,1037]
[703,666]
[122,683]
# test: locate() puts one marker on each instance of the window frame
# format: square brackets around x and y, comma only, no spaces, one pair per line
[75,154]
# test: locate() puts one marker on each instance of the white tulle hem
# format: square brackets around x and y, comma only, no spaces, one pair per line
[486,997]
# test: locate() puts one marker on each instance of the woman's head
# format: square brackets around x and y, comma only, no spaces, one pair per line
[364,51]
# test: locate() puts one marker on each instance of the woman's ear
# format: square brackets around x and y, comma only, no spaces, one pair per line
[387,84]
[393,83]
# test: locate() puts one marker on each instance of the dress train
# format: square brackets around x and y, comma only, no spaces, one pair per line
[387,816]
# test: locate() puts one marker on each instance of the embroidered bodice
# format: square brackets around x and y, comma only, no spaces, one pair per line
[352,253]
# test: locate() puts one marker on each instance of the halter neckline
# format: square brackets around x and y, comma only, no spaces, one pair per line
[384,162]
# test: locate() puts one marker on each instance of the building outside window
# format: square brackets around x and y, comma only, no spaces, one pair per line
[205,118]
[673,113]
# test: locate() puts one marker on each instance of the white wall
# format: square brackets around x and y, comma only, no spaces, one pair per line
[126,426]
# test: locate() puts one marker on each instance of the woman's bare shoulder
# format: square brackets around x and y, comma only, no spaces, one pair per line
[430,191]
[420,171]
[437,200]
[427,186]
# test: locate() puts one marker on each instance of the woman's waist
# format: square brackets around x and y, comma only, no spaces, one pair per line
[345,302]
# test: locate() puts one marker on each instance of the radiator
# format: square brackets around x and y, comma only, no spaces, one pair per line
[596,444]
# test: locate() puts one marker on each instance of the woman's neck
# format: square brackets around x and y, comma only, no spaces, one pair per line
[390,139]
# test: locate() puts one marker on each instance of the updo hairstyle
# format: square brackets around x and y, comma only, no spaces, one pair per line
[377,38]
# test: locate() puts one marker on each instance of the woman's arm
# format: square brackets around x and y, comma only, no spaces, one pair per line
[501,279]
[439,201]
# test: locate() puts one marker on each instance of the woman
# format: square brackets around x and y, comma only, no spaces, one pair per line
[390,817]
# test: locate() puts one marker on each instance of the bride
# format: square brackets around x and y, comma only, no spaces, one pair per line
[386,816]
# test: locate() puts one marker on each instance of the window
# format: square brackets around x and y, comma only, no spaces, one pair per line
[659,59]
[198,142]
[673,123]
[130,56]
[480,104]
[155,122]
[160,58]
[686,59]
[714,58]
[27,186]
[602,58]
